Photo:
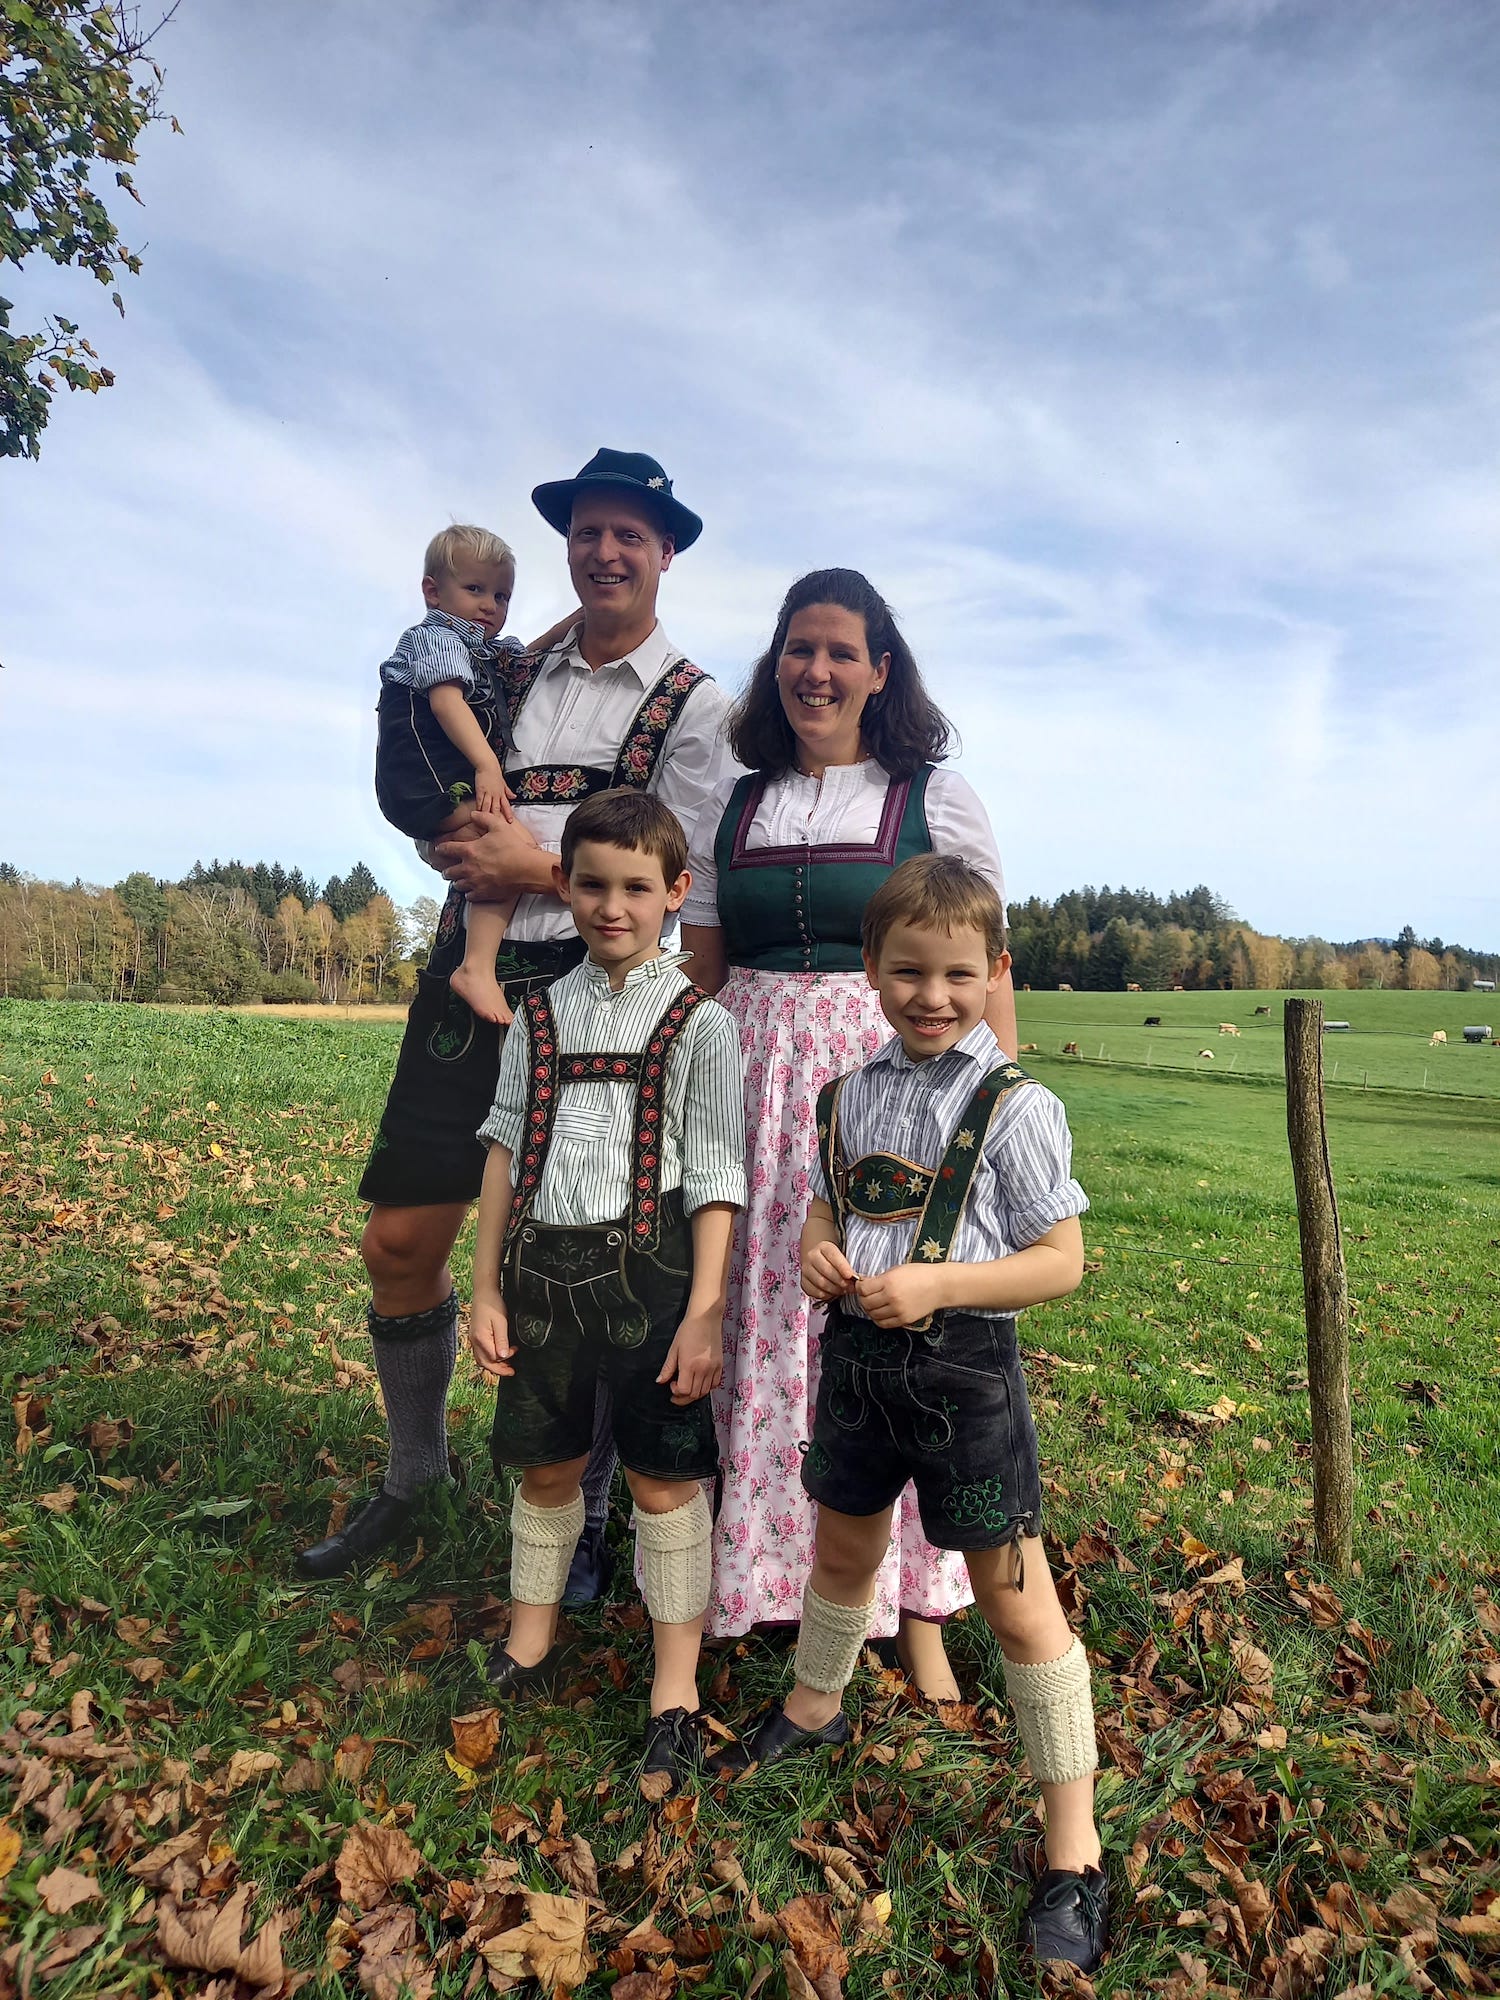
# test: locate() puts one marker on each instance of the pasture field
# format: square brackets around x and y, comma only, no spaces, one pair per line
[1388,1045]
[1301,1783]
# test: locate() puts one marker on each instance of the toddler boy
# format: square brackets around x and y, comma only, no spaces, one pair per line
[943,1204]
[443,726]
[616,1164]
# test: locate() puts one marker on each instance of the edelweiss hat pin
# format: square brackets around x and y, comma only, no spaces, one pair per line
[635,472]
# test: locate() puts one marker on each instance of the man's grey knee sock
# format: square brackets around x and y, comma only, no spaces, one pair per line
[414,1357]
[599,1474]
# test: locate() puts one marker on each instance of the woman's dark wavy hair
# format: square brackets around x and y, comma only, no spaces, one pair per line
[901,727]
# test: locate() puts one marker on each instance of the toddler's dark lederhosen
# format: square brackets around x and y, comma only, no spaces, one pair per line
[599,1299]
[421,777]
[426,1150]
[942,1403]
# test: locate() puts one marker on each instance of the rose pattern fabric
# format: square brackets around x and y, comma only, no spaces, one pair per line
[796,1031]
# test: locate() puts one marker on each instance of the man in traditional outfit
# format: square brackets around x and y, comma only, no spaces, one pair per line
[614,703]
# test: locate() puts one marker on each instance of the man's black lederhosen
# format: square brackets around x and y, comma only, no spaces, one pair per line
[942,1403]
[599,1300]
[425,1150]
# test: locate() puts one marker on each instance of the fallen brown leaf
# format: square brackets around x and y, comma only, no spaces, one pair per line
[62,1889]
[372,1861]
[245,1765]
[61,1500]
[207,1939]
[352,1759]
[10,1848]
[552,1944]
[476,1737]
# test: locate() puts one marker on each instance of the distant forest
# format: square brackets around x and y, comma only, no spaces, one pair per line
[243,931]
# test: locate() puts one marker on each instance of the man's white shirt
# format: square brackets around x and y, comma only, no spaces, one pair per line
[576,714]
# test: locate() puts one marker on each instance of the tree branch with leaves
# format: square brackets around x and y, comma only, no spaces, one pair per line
[77,88]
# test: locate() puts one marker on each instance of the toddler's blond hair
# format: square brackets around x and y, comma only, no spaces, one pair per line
[446,547]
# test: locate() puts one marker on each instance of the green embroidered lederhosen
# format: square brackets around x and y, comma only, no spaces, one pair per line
[799,908]
[426,1150]
[885,1188]
[599,1298]
[943,1402]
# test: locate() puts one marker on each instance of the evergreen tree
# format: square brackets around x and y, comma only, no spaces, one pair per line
[334,897]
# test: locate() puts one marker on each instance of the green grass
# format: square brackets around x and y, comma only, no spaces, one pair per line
[1388,1046]
[179,1237]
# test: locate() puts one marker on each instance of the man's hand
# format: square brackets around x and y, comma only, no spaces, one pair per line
[494,860]
[695,1360]
[902,1295]
[826,1272]
[489,1338]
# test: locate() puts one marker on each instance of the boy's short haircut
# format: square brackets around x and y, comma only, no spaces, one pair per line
[450,544]
[935,892]
[623,818]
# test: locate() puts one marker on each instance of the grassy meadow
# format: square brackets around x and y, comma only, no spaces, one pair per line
[213,1781]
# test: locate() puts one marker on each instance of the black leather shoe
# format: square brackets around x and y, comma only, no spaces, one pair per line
[1068,1917]
[373,1527]
[507,1679]
[592,1568]
[772,1737]
[671,1746]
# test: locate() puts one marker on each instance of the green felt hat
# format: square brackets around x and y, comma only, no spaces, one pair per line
[631,470]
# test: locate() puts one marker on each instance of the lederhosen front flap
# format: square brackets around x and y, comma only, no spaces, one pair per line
[647,1068]
[639,753]
[883,1187]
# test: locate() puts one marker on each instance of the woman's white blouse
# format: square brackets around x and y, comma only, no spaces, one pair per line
[842,806]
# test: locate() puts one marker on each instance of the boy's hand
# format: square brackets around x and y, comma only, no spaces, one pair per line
[826,1272]
[902,1295]
[695,1360]
[491,793]
[489,1338]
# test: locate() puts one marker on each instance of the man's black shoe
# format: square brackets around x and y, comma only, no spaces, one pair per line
[1068,1917]
[773,1737]
[671,1746]
[592,1568]
[373,1527]
[510,1681]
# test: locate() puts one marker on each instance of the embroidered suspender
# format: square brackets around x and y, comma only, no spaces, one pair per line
[886,1188]
[640,750]
[549,1072]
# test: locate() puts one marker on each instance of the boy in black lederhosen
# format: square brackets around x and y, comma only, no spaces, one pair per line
[616,1164]
[943,1204]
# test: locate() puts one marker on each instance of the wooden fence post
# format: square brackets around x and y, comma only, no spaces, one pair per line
[1324,1287]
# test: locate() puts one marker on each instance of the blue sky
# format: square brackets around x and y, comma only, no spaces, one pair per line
[1146,357]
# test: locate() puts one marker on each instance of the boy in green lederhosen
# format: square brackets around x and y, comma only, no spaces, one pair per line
[943,1204]
[616,1164]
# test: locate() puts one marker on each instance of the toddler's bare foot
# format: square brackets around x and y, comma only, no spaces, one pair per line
[478,985]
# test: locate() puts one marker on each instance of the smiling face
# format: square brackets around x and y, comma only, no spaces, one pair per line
[620,899]
[933,985]
[825,676]
[616,554]
[478,591]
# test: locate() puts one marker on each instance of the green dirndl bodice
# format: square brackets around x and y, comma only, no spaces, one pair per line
[800,908]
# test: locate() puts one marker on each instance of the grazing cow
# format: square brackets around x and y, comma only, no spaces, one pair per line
[1228,1028]
[1262,1010]
[1132,988]
[1439,1035]
[1028,1048]
[1065,989]
[1153,1021]
[1177,989]
[1205,1055]
[1070,1048]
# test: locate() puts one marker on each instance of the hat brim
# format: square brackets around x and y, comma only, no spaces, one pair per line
[554,502]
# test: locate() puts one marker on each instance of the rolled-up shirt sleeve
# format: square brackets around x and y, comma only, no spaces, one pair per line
[702,902]
[713,1124]
[959,824]
[1031,1150]
[507,1119]
[431,656]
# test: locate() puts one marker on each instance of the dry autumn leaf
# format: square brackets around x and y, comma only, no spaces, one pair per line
[476,1737]
[352,1759]
[10,1848]
[551,1945]
[62,1889]
[61,1501]
[372,1861]
[245,1765]
[207,1939]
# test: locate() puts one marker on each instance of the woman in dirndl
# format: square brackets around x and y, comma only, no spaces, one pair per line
[842,745]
